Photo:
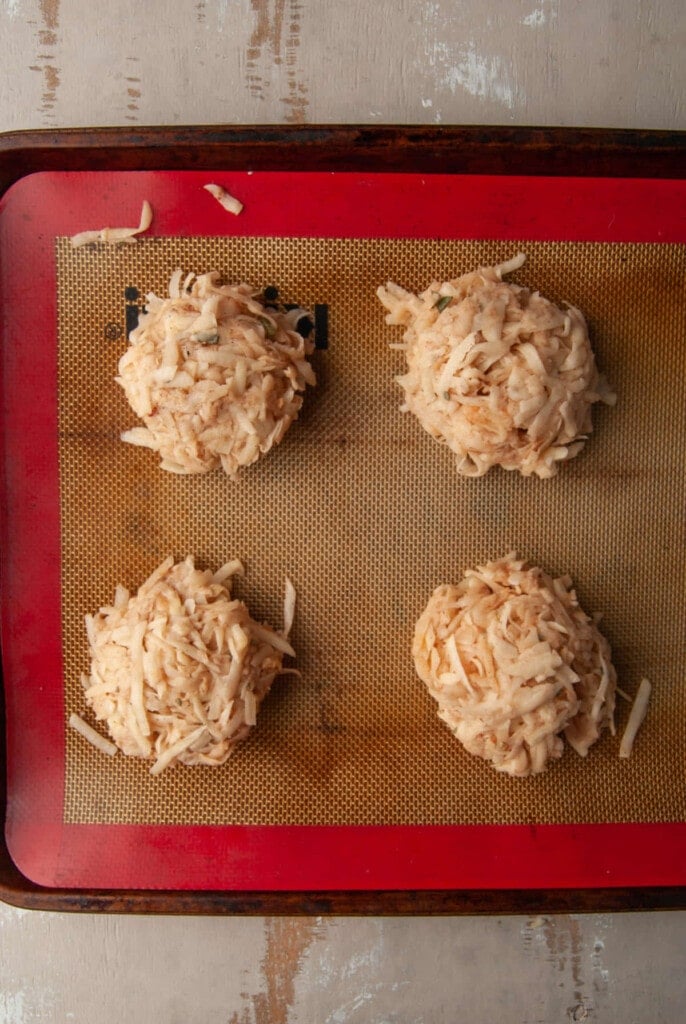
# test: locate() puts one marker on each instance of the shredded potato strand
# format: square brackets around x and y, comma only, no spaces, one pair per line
[90,734]
[513,663]
[639,710]
[224,198]
[496,372]
[114,235]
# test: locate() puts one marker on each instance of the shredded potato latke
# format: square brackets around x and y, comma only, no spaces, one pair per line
[496,372]
[216,376]
[514,663]
[179,670]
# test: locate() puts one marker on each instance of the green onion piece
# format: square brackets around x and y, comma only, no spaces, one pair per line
[444,301]
[269,328]
[205,337]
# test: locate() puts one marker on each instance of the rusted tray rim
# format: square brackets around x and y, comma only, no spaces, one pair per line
[472,149]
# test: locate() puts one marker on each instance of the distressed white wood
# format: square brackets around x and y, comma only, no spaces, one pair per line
[101,970]
[548,970]
[617,63]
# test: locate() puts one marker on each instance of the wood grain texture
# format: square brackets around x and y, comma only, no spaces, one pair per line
[612,63]
[529,969]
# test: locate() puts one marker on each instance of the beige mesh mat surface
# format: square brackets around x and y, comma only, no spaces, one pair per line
[367,515]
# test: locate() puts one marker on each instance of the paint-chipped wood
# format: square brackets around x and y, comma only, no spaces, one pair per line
[274,47]
[530,970]
[287,942]
[47,41]
[307,62]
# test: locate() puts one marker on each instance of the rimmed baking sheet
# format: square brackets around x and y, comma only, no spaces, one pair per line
[349,765]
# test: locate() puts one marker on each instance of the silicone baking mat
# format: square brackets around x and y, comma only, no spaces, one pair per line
[364,512]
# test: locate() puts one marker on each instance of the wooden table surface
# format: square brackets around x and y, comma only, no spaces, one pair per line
[611,63]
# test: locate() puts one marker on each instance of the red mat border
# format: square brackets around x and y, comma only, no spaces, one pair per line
[44,205]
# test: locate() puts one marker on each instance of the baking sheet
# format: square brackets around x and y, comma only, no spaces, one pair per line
[367,515]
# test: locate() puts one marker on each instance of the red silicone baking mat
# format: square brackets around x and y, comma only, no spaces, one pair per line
[340,822]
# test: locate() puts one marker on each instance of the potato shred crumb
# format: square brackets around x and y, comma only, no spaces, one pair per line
[224,198]
[514,663]
[496,372]
[114,235]
[179,670]
[89,733]
[215,375]
[639,709]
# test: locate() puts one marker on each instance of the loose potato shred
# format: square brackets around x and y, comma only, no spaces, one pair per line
[224,198]
[114,235]
[639,710]
[90,734]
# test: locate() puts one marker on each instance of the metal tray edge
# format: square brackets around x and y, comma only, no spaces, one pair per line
[473,149]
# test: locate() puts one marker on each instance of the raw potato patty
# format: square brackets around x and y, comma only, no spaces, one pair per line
[215,374]
[496,372]
[178,671]
[514,664]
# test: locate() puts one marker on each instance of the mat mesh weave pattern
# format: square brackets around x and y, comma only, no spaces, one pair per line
[367,515]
